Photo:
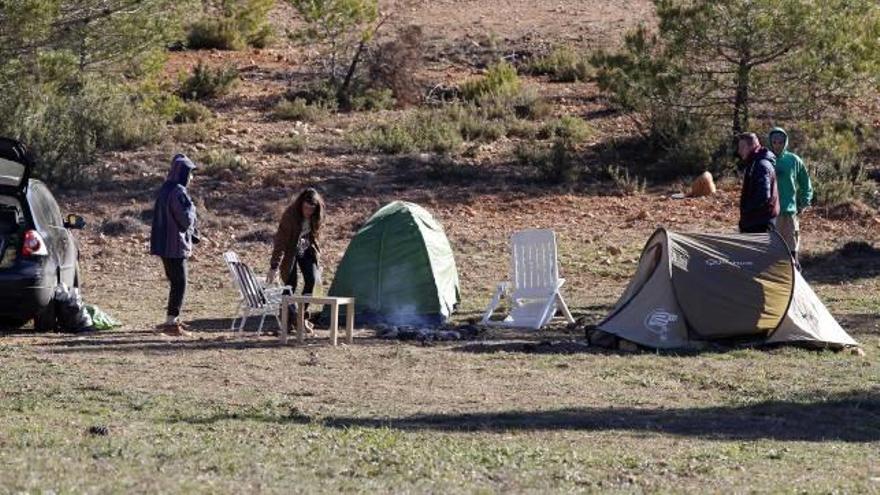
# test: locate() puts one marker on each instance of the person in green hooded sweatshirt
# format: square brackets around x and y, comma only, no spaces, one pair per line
[795,189]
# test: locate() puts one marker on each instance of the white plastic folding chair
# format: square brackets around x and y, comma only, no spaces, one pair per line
[255,298]
[534,290]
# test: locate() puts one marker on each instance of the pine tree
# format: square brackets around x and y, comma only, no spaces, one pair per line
[712,62]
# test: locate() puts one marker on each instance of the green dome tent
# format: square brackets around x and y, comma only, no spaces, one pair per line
[399,268]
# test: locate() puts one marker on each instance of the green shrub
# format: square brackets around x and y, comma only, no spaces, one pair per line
[555,163]
[569,128]
[522,129]
[286,145]
[206,82]
[528,104]
[624,183]
[372,99]
[214,33]
[262,38]
[341,31]
[525,103]
[420,132]
[232,25]
[69,129]
[500,80]
[434,135]
[125,127]
[319,94]
[389,139]
[224,164]
[833,153]
[299,109]
[473,122]
[561,65]
[192,112]
[197,132]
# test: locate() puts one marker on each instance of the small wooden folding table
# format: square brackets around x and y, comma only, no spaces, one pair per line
[333,302]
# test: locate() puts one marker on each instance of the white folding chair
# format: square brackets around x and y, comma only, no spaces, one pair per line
[534,289]
[255,299]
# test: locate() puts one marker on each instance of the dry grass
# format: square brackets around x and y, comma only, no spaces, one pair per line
[516,412]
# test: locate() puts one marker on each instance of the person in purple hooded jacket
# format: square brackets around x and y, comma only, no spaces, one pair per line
[173,236]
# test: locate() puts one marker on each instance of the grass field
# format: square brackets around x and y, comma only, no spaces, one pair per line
[131,410]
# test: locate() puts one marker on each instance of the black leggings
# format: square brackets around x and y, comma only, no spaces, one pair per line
[308,264]
[176,272]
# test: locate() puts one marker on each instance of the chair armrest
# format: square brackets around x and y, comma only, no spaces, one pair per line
[276,289]
[275,293]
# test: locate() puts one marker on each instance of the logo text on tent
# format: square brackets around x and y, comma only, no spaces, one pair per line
[658,322]
[717,262]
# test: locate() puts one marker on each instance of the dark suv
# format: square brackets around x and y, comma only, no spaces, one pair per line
[37,251]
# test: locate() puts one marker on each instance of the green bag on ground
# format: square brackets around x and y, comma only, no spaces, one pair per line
[100,319]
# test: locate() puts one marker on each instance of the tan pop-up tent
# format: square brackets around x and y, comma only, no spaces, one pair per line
[703,287]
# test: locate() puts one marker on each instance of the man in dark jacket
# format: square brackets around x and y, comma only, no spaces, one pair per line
[759,200]
[173,235]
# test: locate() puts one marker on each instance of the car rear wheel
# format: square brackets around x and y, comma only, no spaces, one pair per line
[46,320]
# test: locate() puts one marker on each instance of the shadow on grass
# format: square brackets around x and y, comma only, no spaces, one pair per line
[541,347]
[854,260]
[848,417]
[159,344]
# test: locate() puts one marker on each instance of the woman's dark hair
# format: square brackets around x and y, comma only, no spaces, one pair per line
[313,197]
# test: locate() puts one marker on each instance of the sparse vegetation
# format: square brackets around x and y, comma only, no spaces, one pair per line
[625,183]
[299,109]
[393,65]
[474,123]
[207,82]
[419,132]
[72,89]
[231,25]
[372,100]
[213,33]
[563,64]
[569,128]
[342,30]
[510,411]
[191,113]
[554,163]
[198,132]
[834,155]
[224,164]
[286,145]
[501,80]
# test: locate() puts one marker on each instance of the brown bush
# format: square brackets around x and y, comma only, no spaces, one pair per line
[393,65]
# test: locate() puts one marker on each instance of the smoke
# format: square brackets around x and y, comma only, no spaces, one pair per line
[403,315]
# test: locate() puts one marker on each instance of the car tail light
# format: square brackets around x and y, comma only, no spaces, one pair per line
[34,245]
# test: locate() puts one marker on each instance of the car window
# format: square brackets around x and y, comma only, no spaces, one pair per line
[11,172]
[43,207]
[54,210]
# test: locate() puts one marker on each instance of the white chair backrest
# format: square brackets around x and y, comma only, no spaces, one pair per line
[533,261]
[231,257]
[245,281]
